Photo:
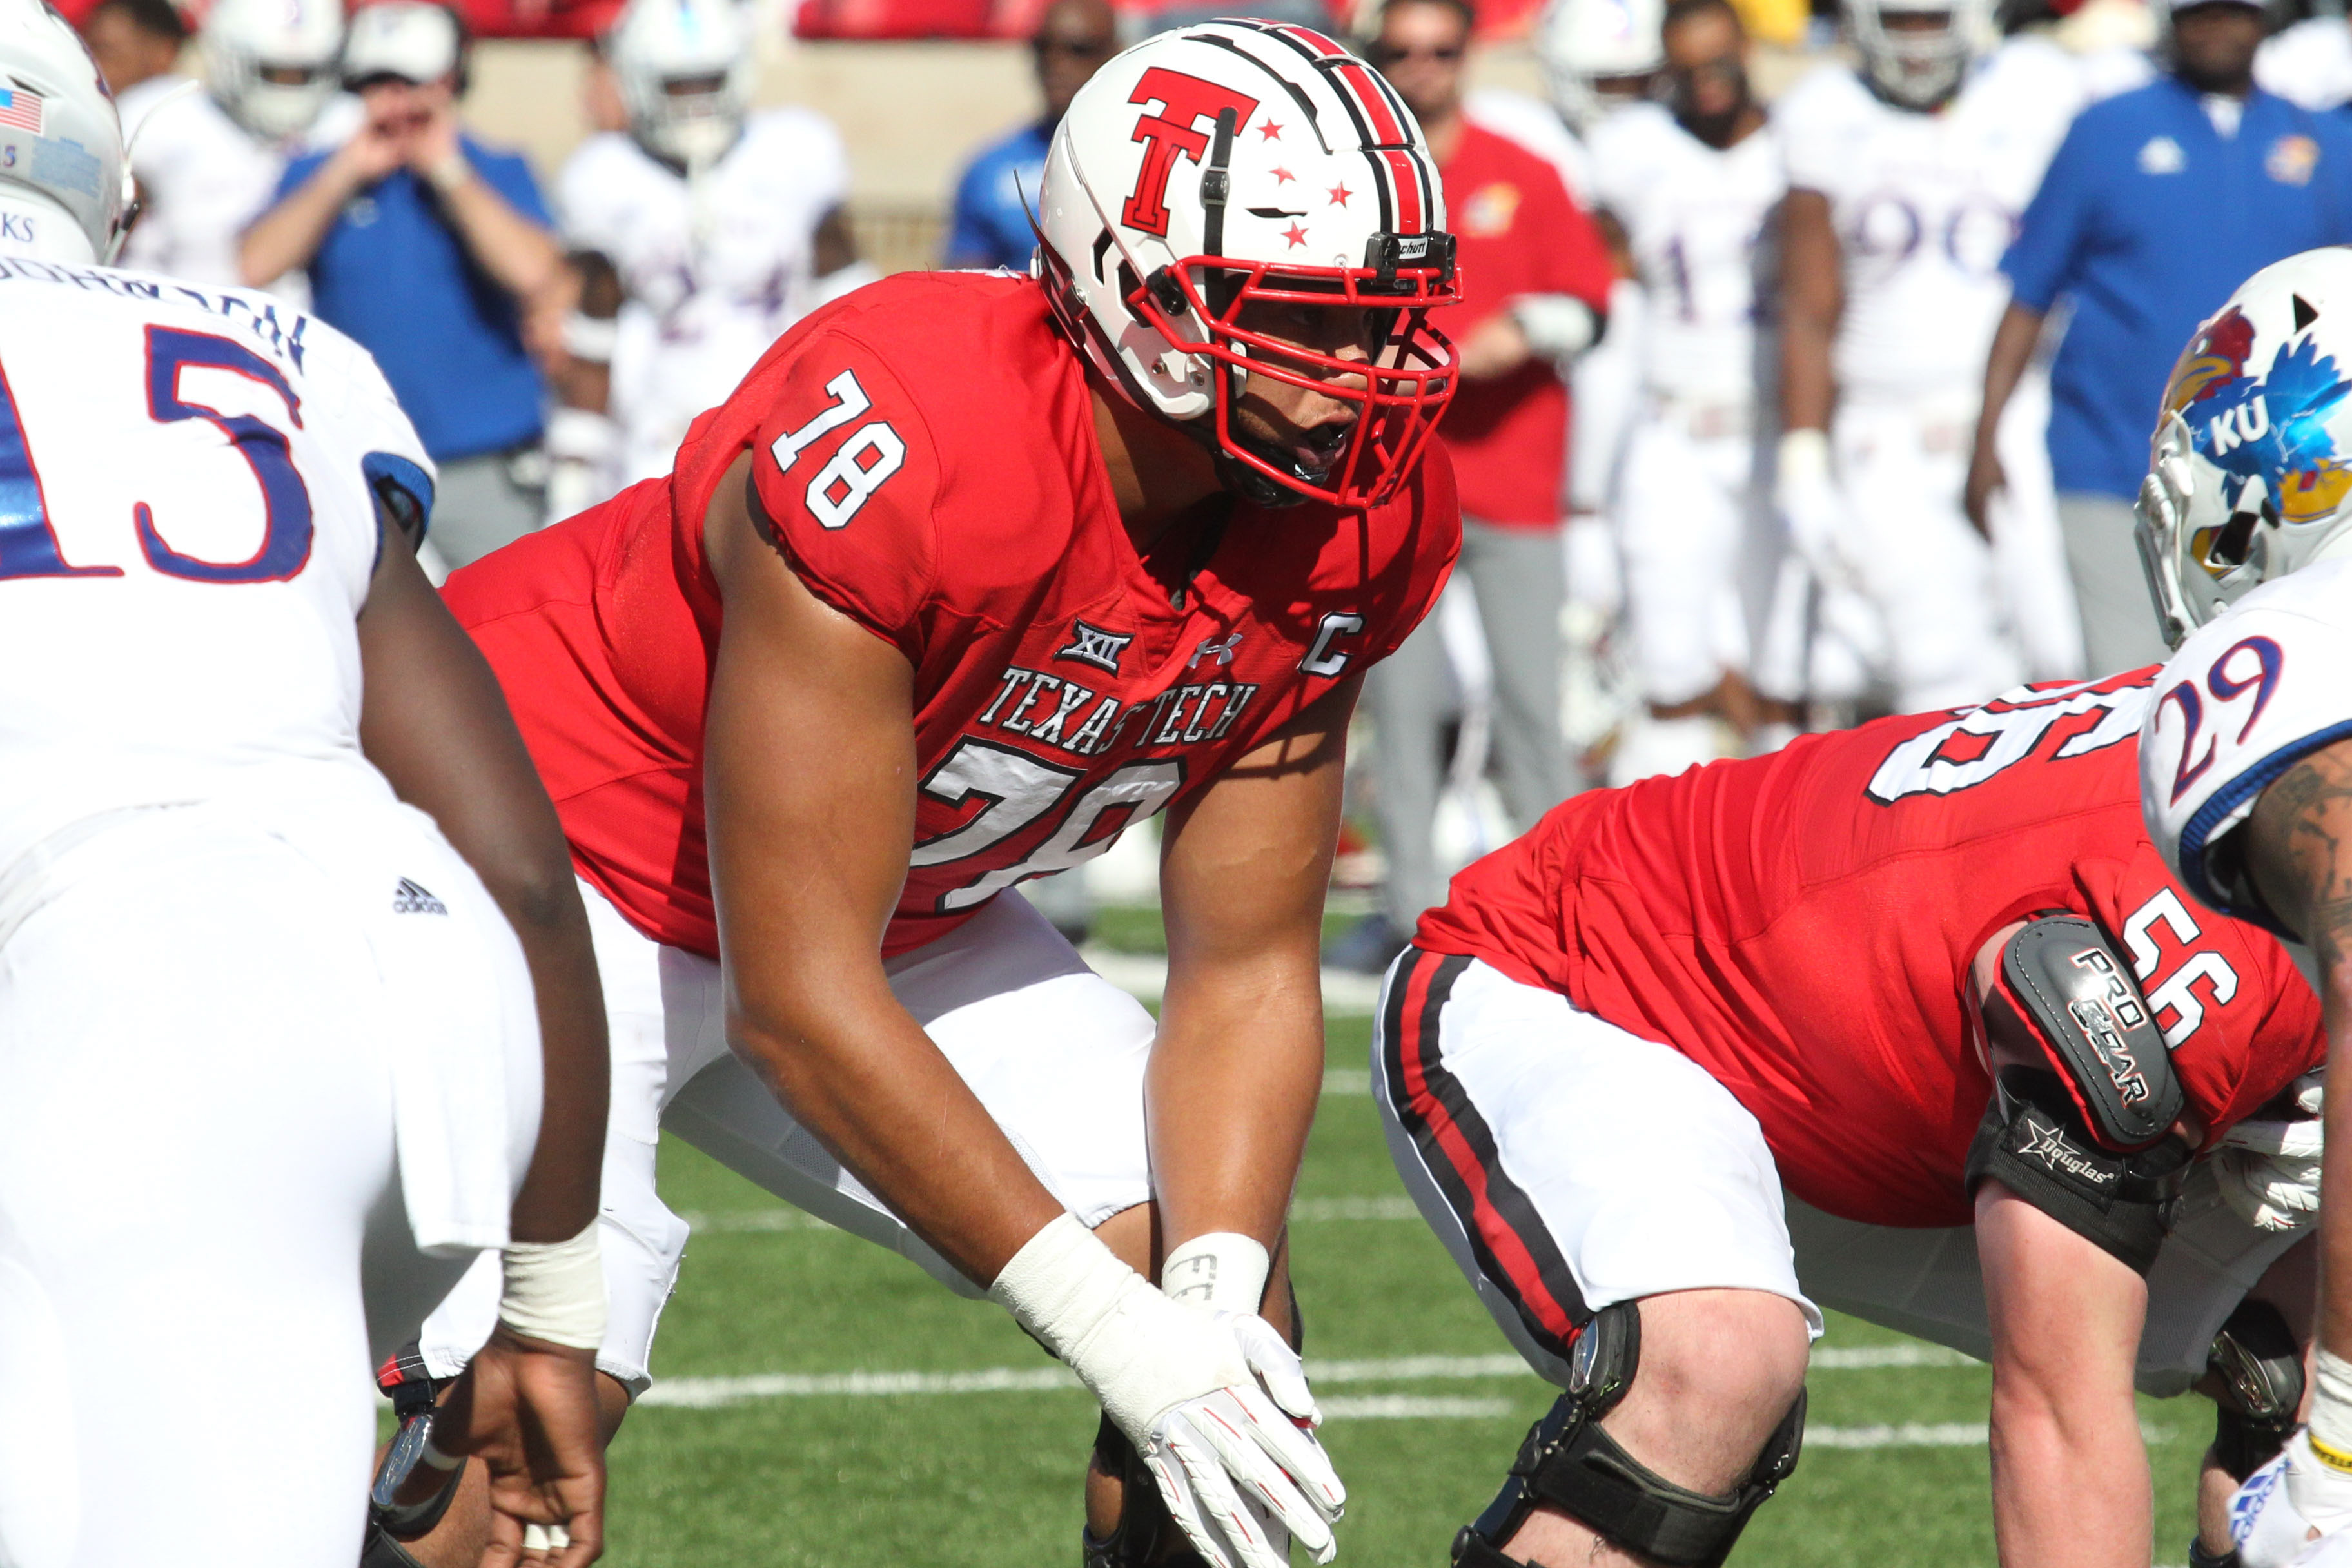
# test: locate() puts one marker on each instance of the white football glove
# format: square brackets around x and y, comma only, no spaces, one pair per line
[2269,1171]
[1215,1402]
[1806,493]
[2293,1510]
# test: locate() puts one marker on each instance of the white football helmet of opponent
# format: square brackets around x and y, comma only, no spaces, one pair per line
[271,63]
[2250,474]
[1918,62]
[1582,43]
[1212,168]
[64,177]
[686,71]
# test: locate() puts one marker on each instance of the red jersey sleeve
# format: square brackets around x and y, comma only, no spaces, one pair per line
[846,467]
[2240,1019]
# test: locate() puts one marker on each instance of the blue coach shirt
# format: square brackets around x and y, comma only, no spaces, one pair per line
[394,275]
[991,226]
[2146,220]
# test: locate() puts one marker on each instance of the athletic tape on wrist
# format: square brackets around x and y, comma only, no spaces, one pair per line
[1223,1271]
[591,337]
[555,1290]
[2331,1410]
[1557,326]
[1804,456]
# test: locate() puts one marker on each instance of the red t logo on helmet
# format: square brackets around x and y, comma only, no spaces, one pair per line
[1185,101]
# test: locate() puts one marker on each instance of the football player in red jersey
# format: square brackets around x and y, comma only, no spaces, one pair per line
[972,573]
[1908,1020]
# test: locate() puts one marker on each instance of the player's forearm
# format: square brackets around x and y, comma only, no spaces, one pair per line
[1808,384]
[1232,1088]
[2070,1476]
[2298,851]
[2012,351]
[558,1194]
[520,256]
[854,1067]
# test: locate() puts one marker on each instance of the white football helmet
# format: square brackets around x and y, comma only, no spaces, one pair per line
[1919,68]
[60,142]
[686,72]
[1582,42]
[271,63]
[2250,473]
[1212,168]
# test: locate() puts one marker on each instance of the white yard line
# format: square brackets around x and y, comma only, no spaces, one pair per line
[708,1392]
[1306,1211]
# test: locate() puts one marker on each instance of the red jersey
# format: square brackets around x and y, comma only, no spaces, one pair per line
[1517,232]
[925,448]
[1803,926]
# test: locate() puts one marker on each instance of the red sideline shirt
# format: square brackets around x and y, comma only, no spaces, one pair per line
[1802,925]
[926,449]
[1517,232]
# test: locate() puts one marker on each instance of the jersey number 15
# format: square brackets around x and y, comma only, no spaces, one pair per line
[28,544]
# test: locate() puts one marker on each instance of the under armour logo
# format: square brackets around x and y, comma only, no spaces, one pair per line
[409,899]
[1222,652]
[1092,645]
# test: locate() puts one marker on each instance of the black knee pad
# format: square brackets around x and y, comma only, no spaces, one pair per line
[1570,1464]
[2259,1367]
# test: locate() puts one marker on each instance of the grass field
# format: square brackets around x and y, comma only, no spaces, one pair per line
[796,1465]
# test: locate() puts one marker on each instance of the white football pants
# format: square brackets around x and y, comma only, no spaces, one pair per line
[211,1034]
[1055,1052]
[1504,1107]
[1702,554]
[1924,570]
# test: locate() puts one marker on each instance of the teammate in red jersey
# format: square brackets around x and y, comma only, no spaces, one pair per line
[971,574]
[1928,979]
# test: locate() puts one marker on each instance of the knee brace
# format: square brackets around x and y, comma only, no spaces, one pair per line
[1570,1464]
[2259,1368]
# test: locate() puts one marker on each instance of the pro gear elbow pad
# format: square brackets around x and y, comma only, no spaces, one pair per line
[2077,996]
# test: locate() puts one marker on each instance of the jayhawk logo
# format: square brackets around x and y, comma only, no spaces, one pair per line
[2270,426]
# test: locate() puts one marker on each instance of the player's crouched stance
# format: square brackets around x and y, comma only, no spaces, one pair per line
[2246,771]
[268,1051]
[968,575]
[1929,980]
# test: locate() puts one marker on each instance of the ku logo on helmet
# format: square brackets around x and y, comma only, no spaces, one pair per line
[1174,132]
[2270,428]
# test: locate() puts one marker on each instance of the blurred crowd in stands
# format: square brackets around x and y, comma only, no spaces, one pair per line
[1774,415]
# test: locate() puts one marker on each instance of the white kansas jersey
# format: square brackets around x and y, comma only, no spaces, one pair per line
[1924,206]
[202,179]
[186,534]
[2256,689]
[714,272]
[1693,217]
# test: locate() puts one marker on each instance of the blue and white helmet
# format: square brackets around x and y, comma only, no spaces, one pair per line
[270,64]
[686,71]
[1918,67]
[62,167]
[2249,472]
[1582,43]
